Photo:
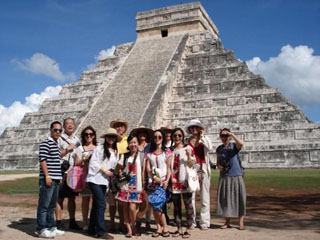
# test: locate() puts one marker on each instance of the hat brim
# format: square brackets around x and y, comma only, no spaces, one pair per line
[190,125]
[165,129]
[135,131]
[119,121]
[119,138]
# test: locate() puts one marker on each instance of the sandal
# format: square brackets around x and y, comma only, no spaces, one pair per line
[155,234]
[225,226]
[186,235]
[166,234]
[177,234]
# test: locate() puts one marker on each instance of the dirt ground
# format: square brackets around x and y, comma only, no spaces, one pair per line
[280,215]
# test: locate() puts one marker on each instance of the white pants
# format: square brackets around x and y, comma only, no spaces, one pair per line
[204,198]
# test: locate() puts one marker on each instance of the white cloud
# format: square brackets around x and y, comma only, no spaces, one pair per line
[11,116]
[102,55]
[42,64]
[295,71]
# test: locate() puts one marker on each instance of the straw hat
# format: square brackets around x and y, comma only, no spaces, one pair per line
[119,121]
[168,128]
[193,122]
[135,131]
[112,132]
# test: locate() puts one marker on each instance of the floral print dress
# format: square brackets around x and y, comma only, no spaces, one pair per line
[131,191]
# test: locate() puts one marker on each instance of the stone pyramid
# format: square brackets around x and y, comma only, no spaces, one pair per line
[177,70]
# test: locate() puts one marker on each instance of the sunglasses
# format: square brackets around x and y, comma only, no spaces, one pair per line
[157,137]
[177,135]
[89,134]
[57,130]
[224,135]
[111,136]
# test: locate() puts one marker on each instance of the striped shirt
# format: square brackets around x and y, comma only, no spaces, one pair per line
[49,151]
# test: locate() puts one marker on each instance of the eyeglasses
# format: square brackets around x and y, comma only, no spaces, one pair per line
[224,135]
[89,134]
[157,137]
[57,130]
[177,135]
[118,125]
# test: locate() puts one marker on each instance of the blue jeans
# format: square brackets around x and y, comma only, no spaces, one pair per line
[48,197]
[96,223]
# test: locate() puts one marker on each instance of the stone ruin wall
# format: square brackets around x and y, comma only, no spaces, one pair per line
[171,80]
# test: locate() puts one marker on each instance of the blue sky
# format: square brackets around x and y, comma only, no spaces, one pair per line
[47,43]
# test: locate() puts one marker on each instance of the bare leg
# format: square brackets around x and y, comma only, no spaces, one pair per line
[59,209]
[226,224]
[125,206]
[112,212]
[72,207]
[132,216]
[241,223]
[157,218]
[85,209]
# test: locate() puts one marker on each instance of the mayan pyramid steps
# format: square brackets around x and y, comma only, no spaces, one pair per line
[177,70]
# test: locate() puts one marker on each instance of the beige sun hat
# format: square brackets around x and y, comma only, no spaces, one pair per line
[167,128]
[112,132]
[119,121]
[193,122]
[134,131]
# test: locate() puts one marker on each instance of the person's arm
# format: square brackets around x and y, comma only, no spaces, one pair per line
[218,163]
[43,153]
[47,177]
[166,182]
[239,142]
[190,157]
[206,142]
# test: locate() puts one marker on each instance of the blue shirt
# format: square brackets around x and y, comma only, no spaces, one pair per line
[232,153]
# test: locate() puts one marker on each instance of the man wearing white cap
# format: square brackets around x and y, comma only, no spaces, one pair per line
[201,146]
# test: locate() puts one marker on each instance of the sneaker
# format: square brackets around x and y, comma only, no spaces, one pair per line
[57,231]
[46,233]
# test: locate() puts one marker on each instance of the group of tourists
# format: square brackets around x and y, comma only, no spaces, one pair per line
[137,174]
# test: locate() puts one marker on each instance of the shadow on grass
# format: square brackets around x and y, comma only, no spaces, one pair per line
[299,212]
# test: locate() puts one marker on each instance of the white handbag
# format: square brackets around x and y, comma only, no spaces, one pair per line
[193,180]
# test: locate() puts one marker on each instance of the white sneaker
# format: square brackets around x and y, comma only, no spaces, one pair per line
[57,232]
[46,233]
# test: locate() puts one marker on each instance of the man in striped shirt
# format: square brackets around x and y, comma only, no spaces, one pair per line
[49,180]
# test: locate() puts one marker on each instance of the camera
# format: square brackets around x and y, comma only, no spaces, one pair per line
[124,177]
[65,166]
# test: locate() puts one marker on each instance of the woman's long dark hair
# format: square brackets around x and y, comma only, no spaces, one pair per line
[173,132]
[83,136]
[153,145]
[106,149]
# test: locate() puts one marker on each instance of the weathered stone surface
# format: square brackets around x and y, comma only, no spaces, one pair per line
[170,79]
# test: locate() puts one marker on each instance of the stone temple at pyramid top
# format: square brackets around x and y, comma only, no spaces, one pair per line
[179,19]
[176,70]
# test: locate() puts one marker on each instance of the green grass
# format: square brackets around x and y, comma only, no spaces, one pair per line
[291,179]
[260,179]
[25,185]
[6,172]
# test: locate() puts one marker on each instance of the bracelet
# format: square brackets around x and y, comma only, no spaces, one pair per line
[154,177]
[47,177]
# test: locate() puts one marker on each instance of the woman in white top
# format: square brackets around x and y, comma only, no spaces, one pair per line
[131,190]
[102,163]
[83,155]
[158,165]
[182,158]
